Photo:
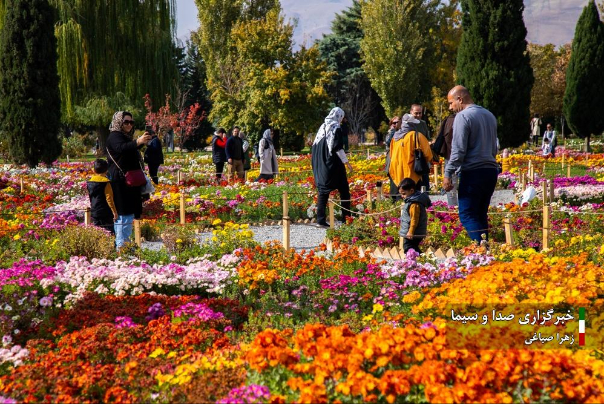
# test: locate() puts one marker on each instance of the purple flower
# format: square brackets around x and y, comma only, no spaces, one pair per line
[124,322]
[46,301]
[155,312]
[247,394]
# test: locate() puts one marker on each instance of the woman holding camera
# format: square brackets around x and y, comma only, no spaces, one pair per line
[124,156]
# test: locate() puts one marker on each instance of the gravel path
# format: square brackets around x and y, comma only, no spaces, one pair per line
[306,236]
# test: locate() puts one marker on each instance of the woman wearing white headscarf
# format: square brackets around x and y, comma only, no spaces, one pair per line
[268,157]
[328,160]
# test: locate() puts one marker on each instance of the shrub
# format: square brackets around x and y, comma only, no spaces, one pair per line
[87,241]
[178,238]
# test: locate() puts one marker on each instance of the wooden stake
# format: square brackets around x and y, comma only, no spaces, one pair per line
[568,170]
[137,232]
[546,225]
[87,217]
[282,152]
[367,153]
[551,191]
[544,189]
[509,236]
[178,177]
[21,185]
[332,215]
[369,200]
[563,159]
[436,176]
[286,234]
[182,209]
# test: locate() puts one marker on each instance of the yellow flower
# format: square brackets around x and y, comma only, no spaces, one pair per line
[377,308]
[16,237]
[157,352]
[216,222]
[178,240]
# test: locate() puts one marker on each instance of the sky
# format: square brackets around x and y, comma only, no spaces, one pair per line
[547,21]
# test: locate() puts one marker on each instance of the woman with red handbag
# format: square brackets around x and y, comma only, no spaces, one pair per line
[124,165]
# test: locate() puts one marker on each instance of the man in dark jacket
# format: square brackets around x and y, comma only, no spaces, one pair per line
[154,157]
[234,154]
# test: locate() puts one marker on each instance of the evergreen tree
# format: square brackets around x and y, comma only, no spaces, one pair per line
[193,86]
[584,95]
[110,46]
[493,64]
[29,84]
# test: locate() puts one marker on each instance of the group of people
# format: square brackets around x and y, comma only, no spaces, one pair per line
[234,150]
[467,140]
[469,145]
[548,140]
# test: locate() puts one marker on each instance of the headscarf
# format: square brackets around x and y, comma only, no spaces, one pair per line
[407,125]
[267,136]
[116,122]
[329,127]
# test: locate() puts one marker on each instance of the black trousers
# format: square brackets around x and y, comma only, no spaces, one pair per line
[413,243]
[323,197]
[219,169]
[153,173]
[104,222]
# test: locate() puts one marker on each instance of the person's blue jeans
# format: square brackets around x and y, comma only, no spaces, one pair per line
[123,229]
[475,190]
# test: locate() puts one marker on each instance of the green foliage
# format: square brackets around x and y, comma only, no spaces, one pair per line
[584,96]
[106,47]
[75,146]
[549,68]
[87,241]
[29,94]
[254,78]
[351,88]
[493,64]
[398,49]
[193,89]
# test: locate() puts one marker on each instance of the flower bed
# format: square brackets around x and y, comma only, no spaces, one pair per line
[228,320]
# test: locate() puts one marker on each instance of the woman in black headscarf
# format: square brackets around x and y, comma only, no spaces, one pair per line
[124,156]
[328,160]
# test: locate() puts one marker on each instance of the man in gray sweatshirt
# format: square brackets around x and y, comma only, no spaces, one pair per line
[473,157]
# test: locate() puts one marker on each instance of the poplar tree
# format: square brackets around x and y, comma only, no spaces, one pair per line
[494,65]
[351,89]
[29,92]
[584,95]
[398,49]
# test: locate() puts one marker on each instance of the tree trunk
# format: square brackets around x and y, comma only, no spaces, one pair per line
[102,133]
[587,146]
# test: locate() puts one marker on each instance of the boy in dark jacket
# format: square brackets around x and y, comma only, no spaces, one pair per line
[414,218]
[102,207]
